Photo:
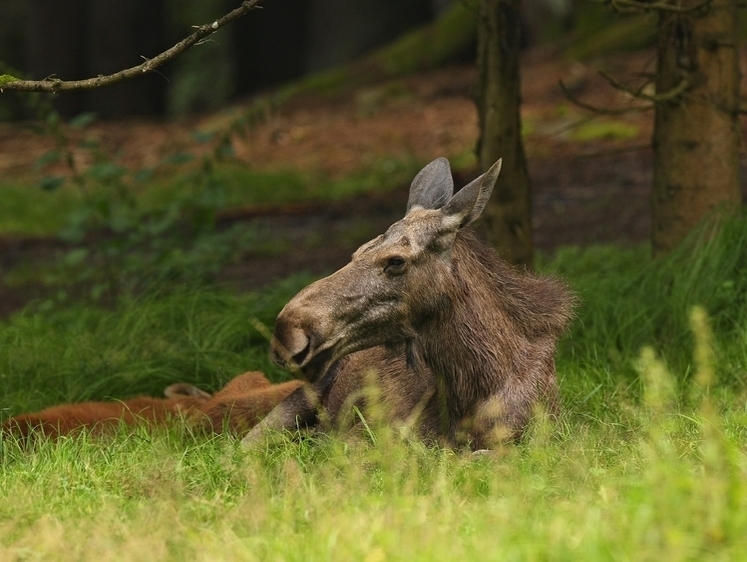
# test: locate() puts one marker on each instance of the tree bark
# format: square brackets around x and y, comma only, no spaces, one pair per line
[696,135]
[508,214]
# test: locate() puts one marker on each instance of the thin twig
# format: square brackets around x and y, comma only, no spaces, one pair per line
[639,6]
[202,31]
[669,95]
[631,5]
[601,110]
[611,151]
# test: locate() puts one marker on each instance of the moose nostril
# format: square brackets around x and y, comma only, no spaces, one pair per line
[291,345]
[300,357]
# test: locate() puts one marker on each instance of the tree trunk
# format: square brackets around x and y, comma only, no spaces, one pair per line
[508,216]
[696,134]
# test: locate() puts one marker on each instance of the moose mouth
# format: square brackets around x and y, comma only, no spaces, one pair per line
[306,364]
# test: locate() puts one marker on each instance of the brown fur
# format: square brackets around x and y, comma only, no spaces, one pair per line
[236,407]
[242,403]
[459,341]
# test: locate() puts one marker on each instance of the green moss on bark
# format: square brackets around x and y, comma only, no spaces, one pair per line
[7,79]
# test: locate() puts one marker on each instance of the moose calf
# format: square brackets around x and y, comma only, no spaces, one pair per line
[237,407]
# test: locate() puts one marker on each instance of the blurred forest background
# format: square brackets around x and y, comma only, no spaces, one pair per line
[289,137]
[75,39]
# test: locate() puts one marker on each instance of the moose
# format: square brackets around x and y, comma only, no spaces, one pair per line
[235,408]
[459,343]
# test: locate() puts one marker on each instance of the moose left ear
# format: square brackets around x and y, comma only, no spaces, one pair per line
[468,203]
[432,187]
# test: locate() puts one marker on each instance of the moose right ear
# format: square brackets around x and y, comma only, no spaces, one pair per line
[470,201]
[433,187]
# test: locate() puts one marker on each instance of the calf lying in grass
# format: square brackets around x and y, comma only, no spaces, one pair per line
[236,408]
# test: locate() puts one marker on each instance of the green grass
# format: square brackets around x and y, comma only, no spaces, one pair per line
[671,488]
[648,461]
[27,210]
[630,301]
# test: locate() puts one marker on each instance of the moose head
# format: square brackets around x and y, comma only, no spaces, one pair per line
[393,285]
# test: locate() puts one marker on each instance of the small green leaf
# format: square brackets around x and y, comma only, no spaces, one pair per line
[82,120]
[53,118]
[50,183]
[74,257]
[106,171]
[202,137]
[49,157]
[225,150]
[178,158]
[98,291]
[144,174]
[120,222]
[89,143]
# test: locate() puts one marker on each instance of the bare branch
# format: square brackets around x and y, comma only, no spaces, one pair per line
[669,95]
[611,151]
[55,85]
[664,6]
[640,6]
[601,110]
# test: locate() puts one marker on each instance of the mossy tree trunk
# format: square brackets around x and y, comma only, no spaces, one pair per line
[508,214]
[696,134]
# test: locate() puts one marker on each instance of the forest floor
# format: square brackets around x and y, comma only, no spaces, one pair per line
[591,173]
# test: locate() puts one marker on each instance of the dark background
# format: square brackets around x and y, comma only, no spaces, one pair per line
[76,39]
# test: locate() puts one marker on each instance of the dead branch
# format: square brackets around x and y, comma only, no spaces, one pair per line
[55,85]
[624,6]
[601,110]
[669,95]
[611,151]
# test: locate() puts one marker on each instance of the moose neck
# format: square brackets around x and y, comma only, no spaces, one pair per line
[470,345]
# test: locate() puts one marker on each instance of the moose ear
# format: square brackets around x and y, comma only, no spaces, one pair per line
[432,187]
[469,202]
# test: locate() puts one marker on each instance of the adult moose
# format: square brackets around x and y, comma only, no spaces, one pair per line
[457,338]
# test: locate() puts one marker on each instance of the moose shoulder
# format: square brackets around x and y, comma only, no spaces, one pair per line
[458,340]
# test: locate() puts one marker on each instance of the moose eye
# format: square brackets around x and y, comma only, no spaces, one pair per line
[395,265]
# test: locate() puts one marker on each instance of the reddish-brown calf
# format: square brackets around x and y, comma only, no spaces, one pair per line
[237,407]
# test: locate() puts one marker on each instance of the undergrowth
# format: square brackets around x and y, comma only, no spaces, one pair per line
[79,187]
[629,300]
